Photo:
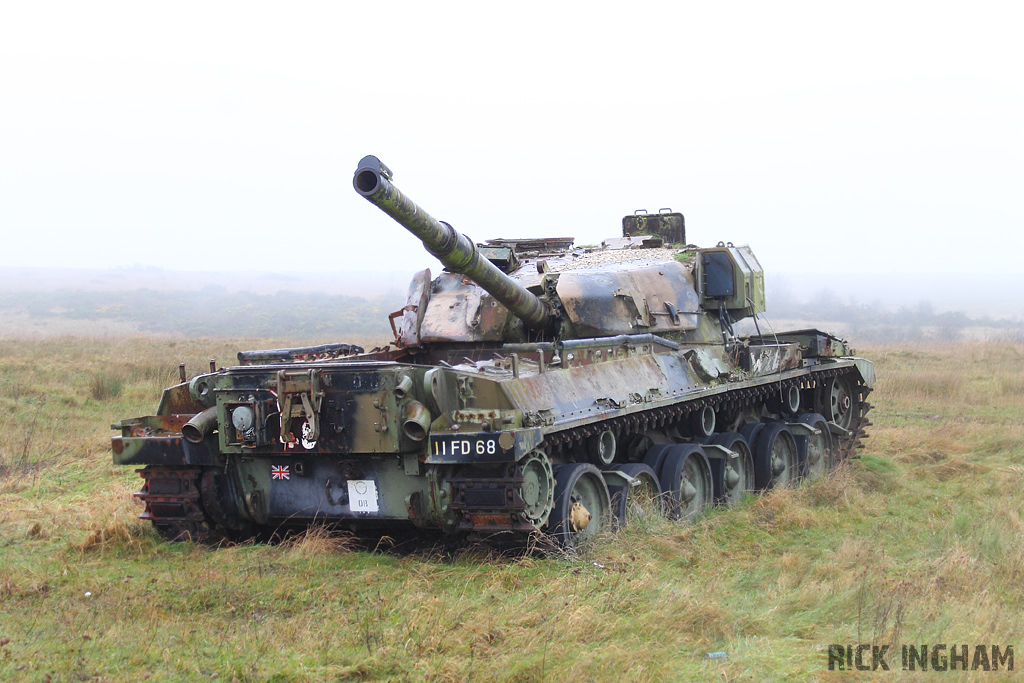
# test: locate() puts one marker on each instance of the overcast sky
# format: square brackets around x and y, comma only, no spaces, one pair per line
[832,137]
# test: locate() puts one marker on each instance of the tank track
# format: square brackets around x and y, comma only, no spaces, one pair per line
[183,503]
[847,444]
[172,503]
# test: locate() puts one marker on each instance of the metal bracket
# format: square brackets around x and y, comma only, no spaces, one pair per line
[801,429]
[412,464]
[299,395]
[673,312]
[837,430]
[617,478]
[609,402]
[641,311]
[719,451]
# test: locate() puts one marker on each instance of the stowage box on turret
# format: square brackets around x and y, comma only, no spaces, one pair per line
[532,387]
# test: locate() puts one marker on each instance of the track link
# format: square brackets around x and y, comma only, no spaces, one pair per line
[173,504]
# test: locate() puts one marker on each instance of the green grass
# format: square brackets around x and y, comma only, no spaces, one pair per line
[920,541]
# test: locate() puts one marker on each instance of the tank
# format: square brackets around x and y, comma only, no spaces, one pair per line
[533,388]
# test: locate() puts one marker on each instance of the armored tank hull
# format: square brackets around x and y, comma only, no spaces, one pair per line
[532,388]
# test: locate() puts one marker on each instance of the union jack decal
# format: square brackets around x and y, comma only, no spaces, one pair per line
[279,472]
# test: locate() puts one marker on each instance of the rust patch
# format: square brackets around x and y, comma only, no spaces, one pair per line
[154,425]
[490,521]
[462,312]
[178,401]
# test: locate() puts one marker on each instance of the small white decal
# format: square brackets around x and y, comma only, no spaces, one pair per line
[362,495]
[307,430]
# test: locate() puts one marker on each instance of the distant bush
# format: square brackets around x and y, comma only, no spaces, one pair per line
[104,386]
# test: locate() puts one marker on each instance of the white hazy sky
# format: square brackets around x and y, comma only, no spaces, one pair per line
[832,137]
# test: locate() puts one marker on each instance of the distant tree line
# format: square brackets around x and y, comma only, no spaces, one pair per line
[876,323]
[215,311]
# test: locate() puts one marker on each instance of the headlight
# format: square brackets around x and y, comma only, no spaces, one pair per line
[242,419]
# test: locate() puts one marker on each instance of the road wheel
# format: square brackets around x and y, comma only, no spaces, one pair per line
[635,501]
[735,477]
[750,432]
[686,480]
[582,506]
[776,462]
[655,456]
[819,454]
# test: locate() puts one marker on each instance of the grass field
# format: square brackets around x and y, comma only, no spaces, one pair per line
[921,541]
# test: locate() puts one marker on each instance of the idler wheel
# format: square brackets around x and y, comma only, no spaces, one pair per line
[837,402]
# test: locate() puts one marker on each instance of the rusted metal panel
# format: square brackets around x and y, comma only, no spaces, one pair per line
[461,311]
[414,310]
[766,359]
[300,353]
[813,343]
[177,400]
[577,393]
[155,425]
[658,298]
[486,522]
[667,224]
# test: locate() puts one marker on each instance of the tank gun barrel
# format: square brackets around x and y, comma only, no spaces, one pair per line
[456,251]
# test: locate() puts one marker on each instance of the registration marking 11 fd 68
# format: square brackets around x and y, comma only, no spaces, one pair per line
[447,447]
[469,445]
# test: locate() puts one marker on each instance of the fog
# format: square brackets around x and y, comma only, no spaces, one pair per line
[872,150]
[354,307]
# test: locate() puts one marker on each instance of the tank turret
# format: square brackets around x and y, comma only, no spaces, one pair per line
[647,281]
